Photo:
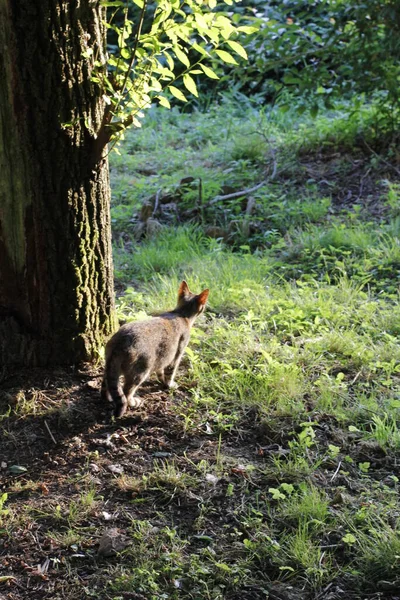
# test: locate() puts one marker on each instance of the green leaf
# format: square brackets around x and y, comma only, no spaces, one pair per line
[17,469]
[155,85]
[287,487]
[209,72]
[164,13]
[177,93]
[276,494]
[181,56]
[289,78]
[349,538]
[225,26]
[138,3]
[163,101]
[111,3]
[223,567]
[125,53]
[226,57]
[364,466]
[190,85]
[236,47]
[334,450]
[201,22]
[200,49]
[170,61]
[249,29]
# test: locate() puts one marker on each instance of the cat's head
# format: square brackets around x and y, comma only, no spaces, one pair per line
[191,305]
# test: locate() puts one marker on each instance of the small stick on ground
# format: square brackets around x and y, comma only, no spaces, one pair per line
[50,434]
[235,194]
[156,203]
[337,471]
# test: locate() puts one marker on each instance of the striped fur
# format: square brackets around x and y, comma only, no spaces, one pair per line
[142,347]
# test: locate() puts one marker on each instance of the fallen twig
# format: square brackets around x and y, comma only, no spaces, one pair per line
[385,162]
[156,203]
[337,471]
[234,194]
[50,434]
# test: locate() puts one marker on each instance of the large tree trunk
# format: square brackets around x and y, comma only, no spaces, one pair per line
[56,286]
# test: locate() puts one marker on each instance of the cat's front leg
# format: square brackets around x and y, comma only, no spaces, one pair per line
[172,385]
[161,376]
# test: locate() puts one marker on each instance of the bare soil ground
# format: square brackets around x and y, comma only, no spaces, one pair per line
[57,432]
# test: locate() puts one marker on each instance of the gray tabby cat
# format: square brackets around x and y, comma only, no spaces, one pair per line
[139,348]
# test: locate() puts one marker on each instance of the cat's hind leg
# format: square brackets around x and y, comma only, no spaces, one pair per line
[105,394]
[132,382]
[120,402]
[161,376]
[176,362]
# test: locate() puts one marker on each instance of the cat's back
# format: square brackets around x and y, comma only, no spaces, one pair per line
[145,336]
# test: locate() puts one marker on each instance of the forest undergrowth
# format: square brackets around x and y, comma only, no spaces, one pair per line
[273,470]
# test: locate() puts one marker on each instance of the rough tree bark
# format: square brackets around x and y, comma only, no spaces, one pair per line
[56,284]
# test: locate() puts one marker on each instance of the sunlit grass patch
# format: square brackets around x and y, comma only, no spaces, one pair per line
[385,430]
[304,556]
[375,548]
[308,503]
[166,478]
[296,360]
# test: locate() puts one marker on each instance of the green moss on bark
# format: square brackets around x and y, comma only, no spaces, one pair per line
[57,305]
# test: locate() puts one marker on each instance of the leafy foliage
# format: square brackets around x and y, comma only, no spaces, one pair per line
[179,38]
[326,48]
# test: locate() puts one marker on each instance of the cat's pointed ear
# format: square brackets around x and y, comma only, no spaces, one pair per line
[183,289]
[203,296]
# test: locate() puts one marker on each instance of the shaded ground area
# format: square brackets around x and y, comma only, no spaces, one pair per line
[60,460]
[71,477]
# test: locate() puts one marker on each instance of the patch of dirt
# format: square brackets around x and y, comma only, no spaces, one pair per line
[55,446]
[350,181]
[75,486]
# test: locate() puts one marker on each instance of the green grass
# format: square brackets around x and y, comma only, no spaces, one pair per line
[275,465]
[300,342]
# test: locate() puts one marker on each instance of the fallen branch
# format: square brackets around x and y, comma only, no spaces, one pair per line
[385,162]
[234,194]
[157,202]
[337,471]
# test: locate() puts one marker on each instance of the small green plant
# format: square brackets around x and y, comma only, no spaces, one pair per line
[304,553]
[349,539]
[385,431]
[3,511]
[364,466]
[393,198]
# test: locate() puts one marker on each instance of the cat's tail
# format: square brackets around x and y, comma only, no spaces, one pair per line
[111,388]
